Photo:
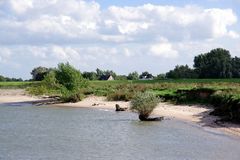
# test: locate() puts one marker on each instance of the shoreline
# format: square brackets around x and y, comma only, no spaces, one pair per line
[197,114]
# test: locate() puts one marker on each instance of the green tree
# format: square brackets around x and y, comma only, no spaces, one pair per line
[7,79]
[121,77]
[69,77]
[160,76]
[39,73]
[235,67]
[182,71]
[145,75]
[90,75]
[214,64]
[110,73]
[2,79]
[133,76]
[101,74]
[65,81]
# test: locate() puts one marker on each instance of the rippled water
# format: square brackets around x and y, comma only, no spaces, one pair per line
[39,133]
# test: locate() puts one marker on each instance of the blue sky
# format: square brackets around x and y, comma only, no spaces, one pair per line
[123,35]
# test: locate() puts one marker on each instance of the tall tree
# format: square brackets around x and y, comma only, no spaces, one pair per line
[160,76]
[2,79]
[145,75]
[182,71]
[214,64]
[133,76]
[90,75]
[39,73]
[101,73]
[236,67]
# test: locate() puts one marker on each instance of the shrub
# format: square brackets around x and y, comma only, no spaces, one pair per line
[144,104]
[71,96]
[64,81]
[120,95]
[50,81]
[37,90]
[69,77]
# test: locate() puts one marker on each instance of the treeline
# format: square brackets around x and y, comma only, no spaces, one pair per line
[39,73]
[103,75]
[217,63]
[7,79]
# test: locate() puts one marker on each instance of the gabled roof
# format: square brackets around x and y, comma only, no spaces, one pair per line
[105,77]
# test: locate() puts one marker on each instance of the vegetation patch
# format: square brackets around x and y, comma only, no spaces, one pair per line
[144,104]
[64,81]
[16,85]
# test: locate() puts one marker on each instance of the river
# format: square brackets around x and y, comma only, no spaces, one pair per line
[60,133]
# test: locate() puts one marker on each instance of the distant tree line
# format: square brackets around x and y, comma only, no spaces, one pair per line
[217,63]
[7,79]
[101,74]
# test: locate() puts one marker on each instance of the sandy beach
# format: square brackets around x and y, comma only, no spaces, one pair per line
[197,114]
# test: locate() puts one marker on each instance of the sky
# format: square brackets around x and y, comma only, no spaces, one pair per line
[119,35]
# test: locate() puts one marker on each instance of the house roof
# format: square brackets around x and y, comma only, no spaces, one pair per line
[105,77]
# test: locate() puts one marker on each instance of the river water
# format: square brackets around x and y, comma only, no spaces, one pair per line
[52,133]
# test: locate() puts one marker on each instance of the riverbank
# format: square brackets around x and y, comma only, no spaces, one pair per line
[198,114]
[190,113]
[20,96]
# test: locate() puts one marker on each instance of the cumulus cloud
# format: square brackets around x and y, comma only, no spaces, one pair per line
[164,49]
[175,23]
[81,32]
[20,6]
[76,21]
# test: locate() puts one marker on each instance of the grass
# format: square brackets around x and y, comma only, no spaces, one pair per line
[16,85]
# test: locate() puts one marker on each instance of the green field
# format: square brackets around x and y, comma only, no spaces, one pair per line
[156,84]
[16,85]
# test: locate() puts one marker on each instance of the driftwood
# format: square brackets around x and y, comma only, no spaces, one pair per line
[118,108]
[143,118]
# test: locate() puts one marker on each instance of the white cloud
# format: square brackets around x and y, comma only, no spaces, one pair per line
[190,22]
[76,21]
[233,34]
[50,31]
[163,49]
[220,20]
[21,6]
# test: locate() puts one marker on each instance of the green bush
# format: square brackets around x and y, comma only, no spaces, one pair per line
[69,77]
[71,96]
[120,95]
[64,81]
[50,81]
[144,104]
[38,90]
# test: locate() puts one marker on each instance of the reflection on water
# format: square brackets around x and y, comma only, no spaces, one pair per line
[75,133]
